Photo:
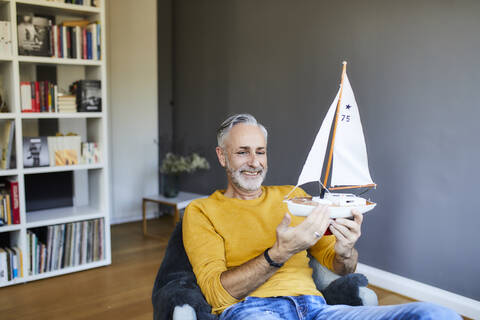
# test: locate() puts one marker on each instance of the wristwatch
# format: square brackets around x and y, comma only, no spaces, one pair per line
[270,261]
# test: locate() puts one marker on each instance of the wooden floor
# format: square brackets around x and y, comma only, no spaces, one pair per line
[119,291]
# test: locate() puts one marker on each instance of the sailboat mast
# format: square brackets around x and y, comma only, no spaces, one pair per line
[330,156]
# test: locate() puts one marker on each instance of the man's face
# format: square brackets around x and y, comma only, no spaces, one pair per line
[245,156]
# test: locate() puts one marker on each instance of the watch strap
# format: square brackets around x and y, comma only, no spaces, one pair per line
[270,261]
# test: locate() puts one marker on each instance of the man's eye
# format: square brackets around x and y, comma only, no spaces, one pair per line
[261,152]
[241,152]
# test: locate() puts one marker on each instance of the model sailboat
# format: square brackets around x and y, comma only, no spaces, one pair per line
[349,153]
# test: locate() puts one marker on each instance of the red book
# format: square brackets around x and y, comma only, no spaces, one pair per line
[84,43]
[15,201]
[47,90]
[37,96]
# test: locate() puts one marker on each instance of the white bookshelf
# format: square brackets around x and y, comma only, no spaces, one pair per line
[90,182]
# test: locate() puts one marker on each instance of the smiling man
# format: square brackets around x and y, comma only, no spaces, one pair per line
[250,256]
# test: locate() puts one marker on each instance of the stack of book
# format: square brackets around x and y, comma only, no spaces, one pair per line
[65,245]
[66,103]
[9,202]
[11,261]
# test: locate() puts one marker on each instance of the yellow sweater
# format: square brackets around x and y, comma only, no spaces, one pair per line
[220,233]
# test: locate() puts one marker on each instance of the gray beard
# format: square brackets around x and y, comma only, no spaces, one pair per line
[247,184]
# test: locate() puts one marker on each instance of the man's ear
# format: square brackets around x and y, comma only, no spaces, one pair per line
[221,156]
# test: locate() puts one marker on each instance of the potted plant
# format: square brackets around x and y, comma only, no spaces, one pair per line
[173,165]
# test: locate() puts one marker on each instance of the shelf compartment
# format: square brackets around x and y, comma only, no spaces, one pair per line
[48,217]
[59,272]
[56,61]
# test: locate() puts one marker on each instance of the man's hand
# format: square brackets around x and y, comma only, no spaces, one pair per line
[291,240]
[346,232]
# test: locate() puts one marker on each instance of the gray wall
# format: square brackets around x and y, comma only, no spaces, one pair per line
[414,68]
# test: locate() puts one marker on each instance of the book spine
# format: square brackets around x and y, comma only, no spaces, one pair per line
[41,89]
[15,205]
[37,97]
[33,97]
[84,42]
[64,42]
[99,44]
[55,40]
[89,45]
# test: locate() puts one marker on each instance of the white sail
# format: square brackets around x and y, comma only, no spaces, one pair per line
[350,163]
[312,169]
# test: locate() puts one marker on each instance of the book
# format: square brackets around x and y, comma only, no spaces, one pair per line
[33,35]
[15,199]
[35,152]
[88,95]
[3,266]
[18,251]
[7,143]
[5,39]
[26,96]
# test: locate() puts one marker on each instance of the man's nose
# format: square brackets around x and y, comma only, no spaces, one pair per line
[253,161]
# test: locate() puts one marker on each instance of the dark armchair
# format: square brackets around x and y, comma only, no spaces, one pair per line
[176,294]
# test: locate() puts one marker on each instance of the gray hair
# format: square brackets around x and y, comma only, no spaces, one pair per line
[232,121]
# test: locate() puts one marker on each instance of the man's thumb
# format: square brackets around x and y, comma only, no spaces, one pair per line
[285,222]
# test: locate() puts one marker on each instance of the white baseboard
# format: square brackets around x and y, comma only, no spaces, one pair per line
[420,291]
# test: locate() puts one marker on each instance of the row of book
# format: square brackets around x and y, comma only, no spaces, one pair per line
[43,96]
[88,3]
[38,96]
[59,151]
[11,262]
[65,245]
[9,202]
[76,39]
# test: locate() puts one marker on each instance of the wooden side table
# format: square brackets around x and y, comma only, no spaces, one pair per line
[181,201]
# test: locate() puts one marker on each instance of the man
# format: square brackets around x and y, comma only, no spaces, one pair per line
[250,257]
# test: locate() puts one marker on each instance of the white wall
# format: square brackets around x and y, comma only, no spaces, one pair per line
[133,112]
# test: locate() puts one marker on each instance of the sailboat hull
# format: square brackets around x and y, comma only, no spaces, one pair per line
[336,211]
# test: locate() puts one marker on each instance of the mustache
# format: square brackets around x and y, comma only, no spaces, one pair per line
[250,169]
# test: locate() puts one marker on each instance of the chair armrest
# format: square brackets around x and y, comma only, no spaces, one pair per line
[350,289]
[322,276]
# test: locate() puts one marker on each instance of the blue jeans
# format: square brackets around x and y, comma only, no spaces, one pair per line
[315,307]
